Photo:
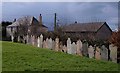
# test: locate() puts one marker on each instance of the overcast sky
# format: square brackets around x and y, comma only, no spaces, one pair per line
[67,12]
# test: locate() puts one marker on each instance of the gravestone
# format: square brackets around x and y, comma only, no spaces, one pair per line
[53,45]
[27,39]
[50,43]
[69,46]
[85,49]
[46,44]
[73,48]
[41,41]
[113,53]
[38,42]
[104,53]
[12,38]
[33,40]
[79,48]
[65,49]
[18,39]
[57,44]
[91,52]
[97,53]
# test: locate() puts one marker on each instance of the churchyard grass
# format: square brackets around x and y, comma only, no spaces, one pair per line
[22,57]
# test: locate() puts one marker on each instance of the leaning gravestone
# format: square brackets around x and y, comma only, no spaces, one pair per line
[73,48]
[91,52]
[104,53]
[57,44]
[69,46]
[113,53]
[79,48]
[97,53]
[85,49]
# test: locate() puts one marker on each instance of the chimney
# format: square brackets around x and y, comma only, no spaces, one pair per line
[75,22]
[40,19]
[14,20]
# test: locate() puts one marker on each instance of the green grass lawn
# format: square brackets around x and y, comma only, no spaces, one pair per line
[21,57]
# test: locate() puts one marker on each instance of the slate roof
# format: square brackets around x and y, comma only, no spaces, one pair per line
[83,27]
[28,20]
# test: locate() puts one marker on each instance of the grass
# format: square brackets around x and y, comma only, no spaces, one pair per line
[21,57]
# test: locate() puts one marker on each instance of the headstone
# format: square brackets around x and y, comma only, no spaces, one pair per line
[46,44]
[113,53]
[85,49]
[65,48]
[57,44]
[104,53]
[79,48]
[97,53]
[33,40]
[91,52]
[50,43]
[73,48]
[69,46]
[18,39]
[53,45]
[41,41]
[38,40]
[12,38]
[27,39]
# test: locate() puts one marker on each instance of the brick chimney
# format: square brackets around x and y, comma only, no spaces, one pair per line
[40,19]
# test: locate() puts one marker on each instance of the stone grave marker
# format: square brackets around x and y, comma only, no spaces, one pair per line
[97,53]
[104,53]
[85,49]
[69,46]
[113,53]
[91,52]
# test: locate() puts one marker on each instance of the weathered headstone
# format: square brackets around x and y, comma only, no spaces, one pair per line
[50,43]
[113,53]
[73,48]
[64,49]
[91,52]
[79,48]
[44,44]
[33,40]
[69,46]
[53,45]
[85,49]
[57,44]
[47,41]
[97,53]
[41,41]
[104,53]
